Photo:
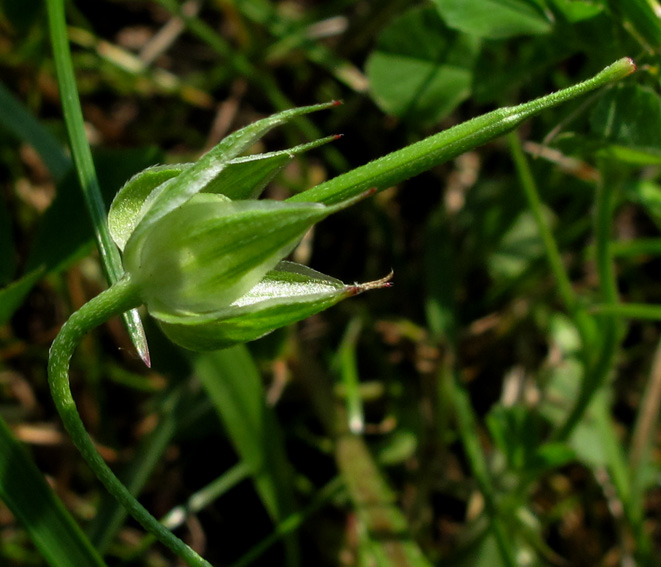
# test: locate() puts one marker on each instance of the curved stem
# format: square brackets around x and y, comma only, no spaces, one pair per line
[119,298]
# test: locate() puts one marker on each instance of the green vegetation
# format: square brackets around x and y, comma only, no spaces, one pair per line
[497,406]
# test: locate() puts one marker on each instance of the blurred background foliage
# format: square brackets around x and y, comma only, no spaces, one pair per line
[422,425]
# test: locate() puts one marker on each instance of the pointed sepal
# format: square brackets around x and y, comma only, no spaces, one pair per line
[288,294]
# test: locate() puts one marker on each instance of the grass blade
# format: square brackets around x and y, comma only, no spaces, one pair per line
[20,122]
[51,528]
[233,384]
[292,522]
[347,365]
[82,157]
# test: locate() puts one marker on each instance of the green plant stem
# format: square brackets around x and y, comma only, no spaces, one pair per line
[421,156]
[116,300]
[596,373]
[347,365]
[292,522]
[196,503]
[565,289]
[645,311]
[82,158]
[470,440]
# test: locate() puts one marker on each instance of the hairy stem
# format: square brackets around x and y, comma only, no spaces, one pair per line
[119,298]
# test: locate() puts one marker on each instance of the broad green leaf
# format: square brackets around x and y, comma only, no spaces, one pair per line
[628,120]
[577,10]
[587,439]
[647,194]
[421,70]
[516,432]
[520,246]
[288,294]
[494,19]
[549,456]
[25,492]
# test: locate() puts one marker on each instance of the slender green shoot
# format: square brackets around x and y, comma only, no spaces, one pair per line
[348,369]
[292,522]
[471,442]
[644,311]
[551,249]
[597,373]
[197,502]
[117,299]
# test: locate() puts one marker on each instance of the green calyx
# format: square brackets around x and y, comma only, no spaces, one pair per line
[210,251]
[206,255]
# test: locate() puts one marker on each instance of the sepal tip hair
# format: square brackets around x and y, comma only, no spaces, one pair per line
[381,283]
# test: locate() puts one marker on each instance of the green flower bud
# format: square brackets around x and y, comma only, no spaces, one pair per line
[210,251]
[205,256]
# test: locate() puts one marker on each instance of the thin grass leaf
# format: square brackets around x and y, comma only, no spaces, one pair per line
[386,529]
[21,123]
[348,369]
[467,424]
[51,528]
[234,386]
[13,295]
[645,311]
[292,522]
[82,158]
